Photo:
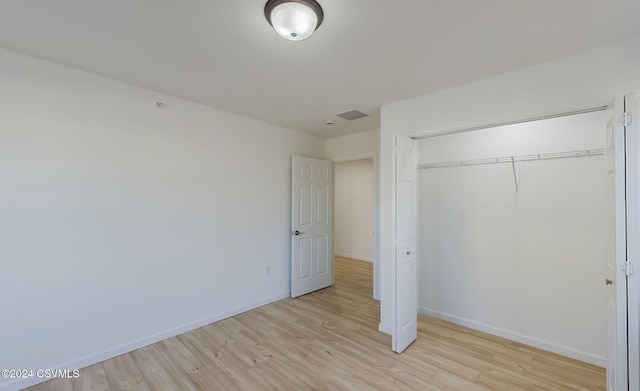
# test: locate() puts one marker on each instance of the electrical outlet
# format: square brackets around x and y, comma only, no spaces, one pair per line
[267,270]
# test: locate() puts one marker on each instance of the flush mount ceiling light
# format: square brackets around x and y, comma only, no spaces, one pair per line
[294,20]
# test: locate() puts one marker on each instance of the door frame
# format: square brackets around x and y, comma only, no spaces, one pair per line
[375,213]
[632,105]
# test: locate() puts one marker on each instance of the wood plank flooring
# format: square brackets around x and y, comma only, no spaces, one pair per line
[328,340]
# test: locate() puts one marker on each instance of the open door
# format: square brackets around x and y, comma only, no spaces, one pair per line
[616,247]
[631,121]
[311,225]
[405,296]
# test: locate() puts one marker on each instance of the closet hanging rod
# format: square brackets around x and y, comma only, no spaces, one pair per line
[521,121]
[516,159]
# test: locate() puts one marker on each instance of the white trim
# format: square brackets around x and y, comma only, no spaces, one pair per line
[514,336]
[376,234]
[385,329]
[632,106]
[353,256]
[351,158]
[128,347]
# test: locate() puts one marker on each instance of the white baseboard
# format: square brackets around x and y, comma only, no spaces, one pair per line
[128,347]
[531,341]
[385,329]
[354,256]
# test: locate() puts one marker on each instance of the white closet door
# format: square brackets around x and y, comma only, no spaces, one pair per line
[632,108]
[616,279]
[406,300]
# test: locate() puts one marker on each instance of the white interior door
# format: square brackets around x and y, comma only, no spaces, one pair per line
[406,307]
[311,225]
[616,252]
[632,132]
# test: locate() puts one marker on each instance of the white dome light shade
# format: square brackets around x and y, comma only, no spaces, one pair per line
[294,20]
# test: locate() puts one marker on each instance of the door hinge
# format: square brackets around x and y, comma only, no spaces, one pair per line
[625,118]
[628,268]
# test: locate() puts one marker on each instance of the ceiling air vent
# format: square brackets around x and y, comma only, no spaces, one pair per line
[351,115]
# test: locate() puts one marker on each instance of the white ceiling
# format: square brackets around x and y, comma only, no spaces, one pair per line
[367,53]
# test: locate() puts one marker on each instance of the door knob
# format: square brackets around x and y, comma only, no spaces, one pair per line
[296,232]
[608,282]
[408,252]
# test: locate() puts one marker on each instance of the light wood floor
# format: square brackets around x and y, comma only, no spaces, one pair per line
[328,340]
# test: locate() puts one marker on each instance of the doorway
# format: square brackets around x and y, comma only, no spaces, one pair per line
[355,213]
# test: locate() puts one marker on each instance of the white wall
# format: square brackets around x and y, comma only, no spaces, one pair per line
[121,223]
[586,79]
[363,144]
[354,209]
[523,264]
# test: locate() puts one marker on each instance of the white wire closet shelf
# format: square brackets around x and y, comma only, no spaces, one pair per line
[515,159]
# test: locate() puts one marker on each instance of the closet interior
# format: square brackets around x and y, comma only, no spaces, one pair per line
[511,232]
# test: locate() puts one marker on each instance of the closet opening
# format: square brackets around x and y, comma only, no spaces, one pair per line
[511,232]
